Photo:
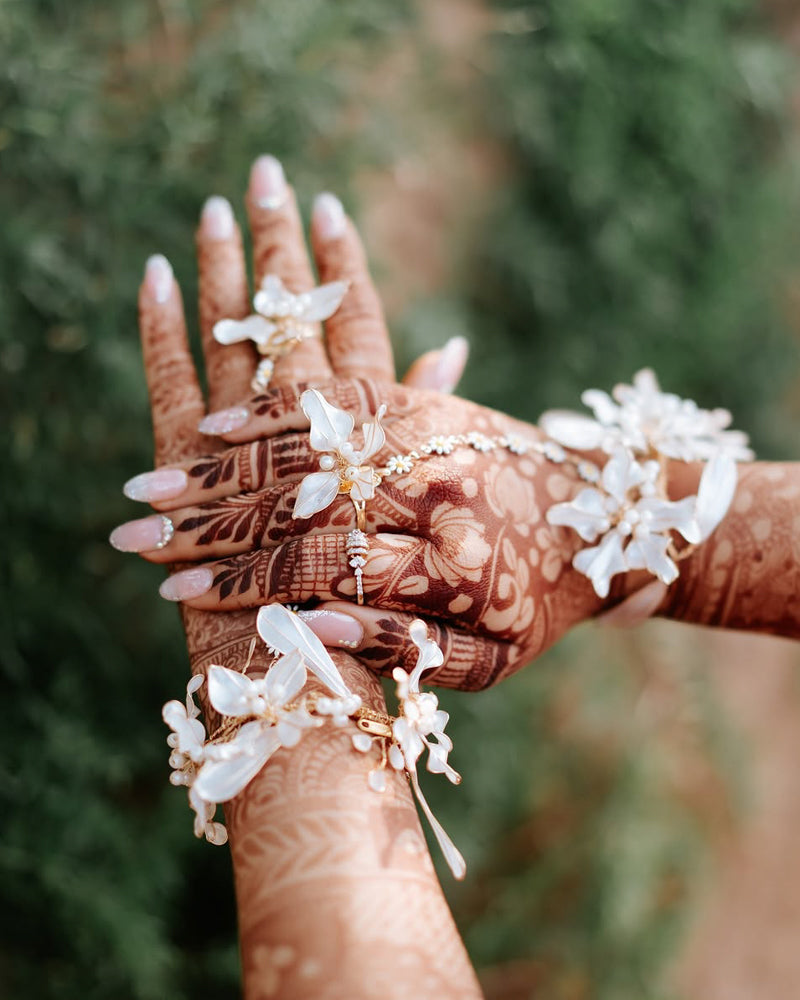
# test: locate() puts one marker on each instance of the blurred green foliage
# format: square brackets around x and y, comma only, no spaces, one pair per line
[640,218]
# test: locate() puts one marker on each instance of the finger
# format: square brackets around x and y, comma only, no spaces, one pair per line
[380,639]
[244,522]
[243,469]
[439,370]
[358,341]
[278,408]
[400,573]
[223,295]
[279,247]
[176,401]
[227,527]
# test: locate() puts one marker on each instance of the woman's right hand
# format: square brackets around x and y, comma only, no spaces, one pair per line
[460,539]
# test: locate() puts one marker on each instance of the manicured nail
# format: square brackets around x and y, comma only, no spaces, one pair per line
[451,364]
[163,484]
[334,628]
[329,217]
[216,219]
[224,421]
[267,183]
[187,584]
[144,535]
[158,277]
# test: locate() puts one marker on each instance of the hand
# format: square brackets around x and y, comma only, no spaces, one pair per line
[460,538]
[322,876]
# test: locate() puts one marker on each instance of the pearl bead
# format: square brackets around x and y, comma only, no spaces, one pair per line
[326,463]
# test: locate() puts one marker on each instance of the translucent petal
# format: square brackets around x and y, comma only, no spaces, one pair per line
[374,436]
[322,302]
[452,855]
[363,484]
[666,515]
[605,410]
[233,331]
[330,426]
[230,692]
[715,493]
[317,491]
[283,630]
[621,472]
[285,679]
[573,430]
[586,514]
[219,781]
[602,562]
[650,552]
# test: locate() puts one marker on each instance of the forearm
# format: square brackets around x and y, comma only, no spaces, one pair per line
[747,574]
[336,892]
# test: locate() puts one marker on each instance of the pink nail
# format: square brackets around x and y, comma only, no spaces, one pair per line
[224,421]
[334,628]
[187,584]
[329,217]
[163,484]
[158,278]
[144,535]
[216,219]
[451,364]
[267,183]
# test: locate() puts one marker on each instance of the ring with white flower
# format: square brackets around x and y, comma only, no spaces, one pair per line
[261,715]
[627,511]
[281,321]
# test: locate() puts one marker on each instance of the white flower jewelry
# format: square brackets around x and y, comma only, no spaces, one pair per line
[261,715]
[645,420]
[628,512]
[345,469]
[280,322]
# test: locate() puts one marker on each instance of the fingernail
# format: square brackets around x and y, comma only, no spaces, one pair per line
[329,217]
[187,584]
[158,277]
[267,183]
[334,628]
[143,535]
[451,363]
[224,421]
[216,219]
[163,484]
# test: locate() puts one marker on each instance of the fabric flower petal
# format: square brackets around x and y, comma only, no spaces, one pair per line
[601,562]
[322,302]
[285,679]
[715,493]
[573,430]
[317,491]
[330,426]
[220,781]
[374,436]
[230,691]
[234,331]
[586,514]
[281,629]
[650,552]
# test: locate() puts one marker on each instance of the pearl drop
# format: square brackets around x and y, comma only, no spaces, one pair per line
[326,463]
